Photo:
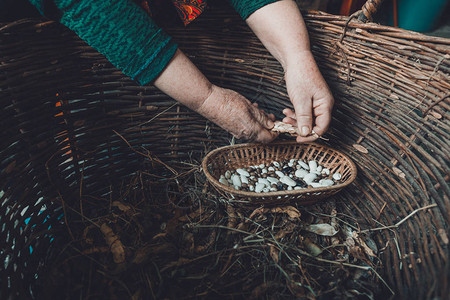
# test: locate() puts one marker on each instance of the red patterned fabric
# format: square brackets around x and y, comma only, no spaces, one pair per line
[188,10]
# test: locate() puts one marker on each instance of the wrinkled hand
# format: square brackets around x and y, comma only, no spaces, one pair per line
[310,96]
[234,113]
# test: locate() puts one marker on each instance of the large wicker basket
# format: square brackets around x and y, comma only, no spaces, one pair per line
[66,114]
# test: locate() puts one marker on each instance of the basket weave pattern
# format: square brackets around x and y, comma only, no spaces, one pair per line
[392,98]
[245,155]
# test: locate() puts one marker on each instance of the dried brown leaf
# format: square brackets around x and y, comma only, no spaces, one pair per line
[287,229]
[274,253]
[322,229]
[363,244]
[436,115]
[121,206]
[291,211]
[360,148]
[311,248]
[258,211]
[443,235]
[232,217]
[398,172]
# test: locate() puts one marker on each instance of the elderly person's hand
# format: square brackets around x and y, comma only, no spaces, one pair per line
[231,111]
[310,96]
[281,29]
[234,113]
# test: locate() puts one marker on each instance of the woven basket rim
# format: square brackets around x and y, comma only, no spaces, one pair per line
[239,193]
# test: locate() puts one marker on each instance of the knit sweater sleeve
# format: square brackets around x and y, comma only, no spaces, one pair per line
[120,30]
[246,7]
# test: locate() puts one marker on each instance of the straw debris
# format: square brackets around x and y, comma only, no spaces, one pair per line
[167,239]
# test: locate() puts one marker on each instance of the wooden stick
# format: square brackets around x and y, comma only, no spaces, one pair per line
[401,221]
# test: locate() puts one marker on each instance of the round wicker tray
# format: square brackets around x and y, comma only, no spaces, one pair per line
[232,157]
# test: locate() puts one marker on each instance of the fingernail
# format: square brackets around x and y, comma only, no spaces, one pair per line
[305,131]
[270,124]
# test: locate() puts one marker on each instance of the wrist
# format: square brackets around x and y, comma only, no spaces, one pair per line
[298,59]
[204,108]
[184,82]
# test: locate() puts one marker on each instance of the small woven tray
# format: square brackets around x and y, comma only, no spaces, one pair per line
[244,155]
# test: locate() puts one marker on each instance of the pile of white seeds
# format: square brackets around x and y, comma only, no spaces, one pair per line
[285,175]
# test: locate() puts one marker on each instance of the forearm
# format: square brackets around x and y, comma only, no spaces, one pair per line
[184,82]
[281,29]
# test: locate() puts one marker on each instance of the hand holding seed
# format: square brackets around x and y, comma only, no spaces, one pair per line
[292,129]
[234,113]
[310,97]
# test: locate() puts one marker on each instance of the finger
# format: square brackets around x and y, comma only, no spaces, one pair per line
[289,113]
[266,136]
[271,116]
[311,138]
[322,124]
[255,104]
[322,121]
[262,118]
[303,114]
[290,121]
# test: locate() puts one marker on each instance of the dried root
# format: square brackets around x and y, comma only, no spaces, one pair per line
[114,244]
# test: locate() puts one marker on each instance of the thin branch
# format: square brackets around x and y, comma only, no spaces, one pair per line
[401,221]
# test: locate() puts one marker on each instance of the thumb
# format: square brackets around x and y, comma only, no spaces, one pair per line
[303,114]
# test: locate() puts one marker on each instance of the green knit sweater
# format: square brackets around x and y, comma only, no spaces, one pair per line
[124,33]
